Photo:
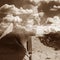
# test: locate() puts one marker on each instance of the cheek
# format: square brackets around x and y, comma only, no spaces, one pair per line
[25,39]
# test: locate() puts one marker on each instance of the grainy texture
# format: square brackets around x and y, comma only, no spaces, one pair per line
[41,52]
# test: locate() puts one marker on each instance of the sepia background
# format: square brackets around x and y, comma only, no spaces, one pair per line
[37,20]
